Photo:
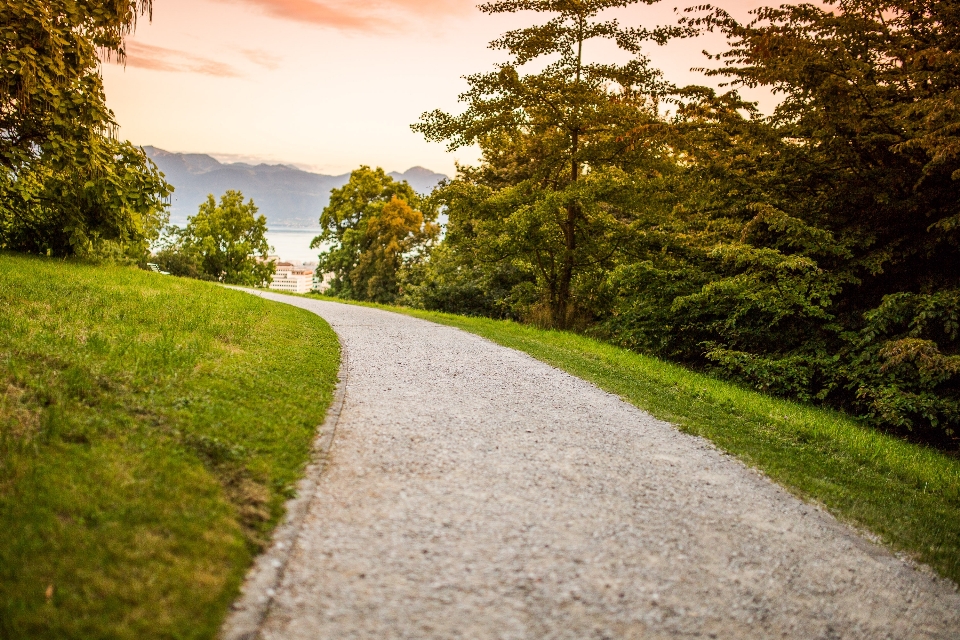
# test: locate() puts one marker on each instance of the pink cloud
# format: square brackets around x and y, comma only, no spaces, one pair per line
[358,15]
[321,13]
[262,58]
[145,56]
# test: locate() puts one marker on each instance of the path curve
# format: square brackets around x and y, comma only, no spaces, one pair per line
[474,492]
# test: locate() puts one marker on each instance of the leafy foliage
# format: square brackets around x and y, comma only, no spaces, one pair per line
[906,369]
[51,93]
[66,185]
[554,145]
[113,205]
[372,224]
[225,242]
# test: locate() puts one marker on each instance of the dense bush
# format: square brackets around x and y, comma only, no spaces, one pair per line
[905,366]
[112,206]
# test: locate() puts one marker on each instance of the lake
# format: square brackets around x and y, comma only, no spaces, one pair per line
[293,245]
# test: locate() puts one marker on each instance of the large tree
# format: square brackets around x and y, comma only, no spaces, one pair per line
[371,225]
[228,241]
[815,252]
[812,253]
[51,92]
[544,132]
[67,186]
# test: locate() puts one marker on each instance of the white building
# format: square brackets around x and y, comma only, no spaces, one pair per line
[291,278]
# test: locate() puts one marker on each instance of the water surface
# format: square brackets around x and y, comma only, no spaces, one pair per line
[293,245]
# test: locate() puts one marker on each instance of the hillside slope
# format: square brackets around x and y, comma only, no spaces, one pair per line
[151,428]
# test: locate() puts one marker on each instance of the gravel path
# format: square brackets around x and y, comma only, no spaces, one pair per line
[474,492]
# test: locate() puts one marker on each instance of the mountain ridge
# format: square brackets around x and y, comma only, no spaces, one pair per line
[288,197]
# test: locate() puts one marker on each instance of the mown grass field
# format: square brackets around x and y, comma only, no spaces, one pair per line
[151,428]
[908,495]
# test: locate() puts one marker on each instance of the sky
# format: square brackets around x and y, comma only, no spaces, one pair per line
[328,85]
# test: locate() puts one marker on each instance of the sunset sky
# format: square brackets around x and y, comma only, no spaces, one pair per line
[326,85]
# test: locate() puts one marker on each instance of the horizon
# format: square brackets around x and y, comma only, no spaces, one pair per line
[253,161]
[289,197]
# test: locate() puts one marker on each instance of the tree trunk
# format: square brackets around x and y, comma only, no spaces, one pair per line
[561,310]
[561,302]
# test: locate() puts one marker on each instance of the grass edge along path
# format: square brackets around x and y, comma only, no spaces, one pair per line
[906,494]
[151,430]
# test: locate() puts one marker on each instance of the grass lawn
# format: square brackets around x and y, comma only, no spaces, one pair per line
[151,428]
[906,494]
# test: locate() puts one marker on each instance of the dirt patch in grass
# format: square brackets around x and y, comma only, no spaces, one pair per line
[17,420]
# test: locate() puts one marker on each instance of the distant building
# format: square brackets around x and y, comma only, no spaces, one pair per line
[291,278]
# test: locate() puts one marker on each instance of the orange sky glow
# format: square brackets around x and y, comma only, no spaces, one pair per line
[327,85]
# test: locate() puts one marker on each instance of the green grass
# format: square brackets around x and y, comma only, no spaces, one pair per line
[906,494]
[151,428]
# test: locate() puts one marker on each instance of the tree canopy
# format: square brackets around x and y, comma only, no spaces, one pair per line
[51,93]
[67,186]
[371,225]
[542,133]
[225,242]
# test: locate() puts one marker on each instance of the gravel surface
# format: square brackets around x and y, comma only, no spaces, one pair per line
[474,492]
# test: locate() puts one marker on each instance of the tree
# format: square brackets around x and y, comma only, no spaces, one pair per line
[114,205]
[51,94]
[543,133]
[814,253]
[811,253]
[372,224]
[229,240]
[865,91]
[67,186]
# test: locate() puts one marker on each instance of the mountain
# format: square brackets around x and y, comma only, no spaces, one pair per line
[287,196]
[422,180]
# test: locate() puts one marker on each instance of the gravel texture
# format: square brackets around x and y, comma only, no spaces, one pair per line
[474,492]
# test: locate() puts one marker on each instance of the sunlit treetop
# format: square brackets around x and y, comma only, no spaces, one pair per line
[570,93]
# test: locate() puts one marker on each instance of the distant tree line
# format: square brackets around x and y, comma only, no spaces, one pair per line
[811,253]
